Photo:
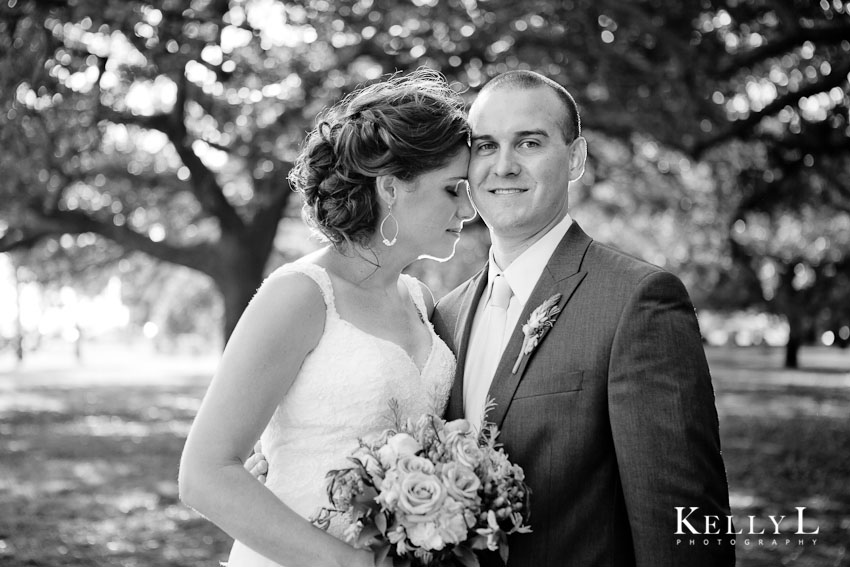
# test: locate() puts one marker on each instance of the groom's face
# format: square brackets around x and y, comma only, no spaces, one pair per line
[519,168]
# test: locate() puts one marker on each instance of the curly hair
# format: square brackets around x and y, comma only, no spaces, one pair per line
[403,126]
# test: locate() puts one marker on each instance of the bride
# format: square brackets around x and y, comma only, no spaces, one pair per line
[329,339]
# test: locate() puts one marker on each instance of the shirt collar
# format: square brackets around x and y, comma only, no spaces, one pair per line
[526,269]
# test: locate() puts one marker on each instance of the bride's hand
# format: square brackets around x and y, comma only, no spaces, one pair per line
[257,464]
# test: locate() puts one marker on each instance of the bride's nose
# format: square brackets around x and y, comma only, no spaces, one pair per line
[465,210]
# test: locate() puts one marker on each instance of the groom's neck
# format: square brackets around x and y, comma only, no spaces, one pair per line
[509,245]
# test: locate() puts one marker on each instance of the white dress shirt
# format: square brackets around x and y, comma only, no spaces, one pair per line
[522,275]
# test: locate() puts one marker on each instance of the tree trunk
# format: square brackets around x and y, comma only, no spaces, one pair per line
[19,326]
[792,350]
[796,334]
[241,264]
[237,292]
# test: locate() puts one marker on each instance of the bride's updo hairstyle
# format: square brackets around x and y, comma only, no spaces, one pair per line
[403,126]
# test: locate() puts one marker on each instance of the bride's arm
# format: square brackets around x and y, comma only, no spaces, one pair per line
[282,324]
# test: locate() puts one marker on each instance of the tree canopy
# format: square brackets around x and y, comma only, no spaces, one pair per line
[168,127]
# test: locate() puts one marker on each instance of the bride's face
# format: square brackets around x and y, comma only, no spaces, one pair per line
[432,208]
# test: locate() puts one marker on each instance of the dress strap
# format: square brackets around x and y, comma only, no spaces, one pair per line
[315,273]
[414,288]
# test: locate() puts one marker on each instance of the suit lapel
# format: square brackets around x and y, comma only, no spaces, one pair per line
[562,275]
[462,332]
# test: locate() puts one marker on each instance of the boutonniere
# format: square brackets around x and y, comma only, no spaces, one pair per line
[542,318]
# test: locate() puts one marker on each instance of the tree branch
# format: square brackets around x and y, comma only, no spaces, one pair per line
[37,225]
[203,182]
[837,77]
[674,44]
[821,35]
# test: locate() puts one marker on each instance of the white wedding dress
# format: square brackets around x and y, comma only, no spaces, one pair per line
[342,393]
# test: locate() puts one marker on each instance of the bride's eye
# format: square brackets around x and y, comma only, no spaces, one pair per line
[461,186]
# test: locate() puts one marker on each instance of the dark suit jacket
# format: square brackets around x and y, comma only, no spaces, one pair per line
[612,417]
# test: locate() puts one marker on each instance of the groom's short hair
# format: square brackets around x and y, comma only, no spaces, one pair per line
[522,79]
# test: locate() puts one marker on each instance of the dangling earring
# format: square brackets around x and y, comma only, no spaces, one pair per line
[387,241]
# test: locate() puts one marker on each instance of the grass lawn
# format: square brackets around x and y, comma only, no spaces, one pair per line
[89,453]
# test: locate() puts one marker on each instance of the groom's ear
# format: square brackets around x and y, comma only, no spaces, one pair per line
[578,157]
[386,187]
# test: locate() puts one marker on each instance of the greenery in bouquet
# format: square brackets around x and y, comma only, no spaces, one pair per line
[429,493]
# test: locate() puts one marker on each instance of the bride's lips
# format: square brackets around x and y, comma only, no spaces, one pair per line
[454,230]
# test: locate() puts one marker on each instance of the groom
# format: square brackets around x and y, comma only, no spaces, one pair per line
[612,414]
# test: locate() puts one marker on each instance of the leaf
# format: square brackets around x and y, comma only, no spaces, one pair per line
[368,495]
[369,536]
[381,523]
[364,502]
[503,547]
[478,542]
[466,556]
[551,302]
[358,465]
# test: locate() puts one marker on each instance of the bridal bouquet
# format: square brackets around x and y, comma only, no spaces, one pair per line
[428,493]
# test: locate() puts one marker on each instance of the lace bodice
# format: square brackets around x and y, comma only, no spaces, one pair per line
[342,393]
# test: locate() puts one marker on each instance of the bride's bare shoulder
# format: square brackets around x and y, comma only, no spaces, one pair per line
[288,298]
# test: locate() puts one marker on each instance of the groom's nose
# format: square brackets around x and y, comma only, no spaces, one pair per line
[506,163]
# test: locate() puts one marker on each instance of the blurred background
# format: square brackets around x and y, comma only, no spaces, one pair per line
[144,148]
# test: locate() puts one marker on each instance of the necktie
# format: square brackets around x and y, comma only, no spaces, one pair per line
[487,350]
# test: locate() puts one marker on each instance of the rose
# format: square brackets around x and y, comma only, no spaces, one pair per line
[420,496]
[397,446]
[411,463]
[453,431]
[391,485]
[465,450]
[458,426]
[461,483]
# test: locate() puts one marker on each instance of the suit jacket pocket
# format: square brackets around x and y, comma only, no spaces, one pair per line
[546,384]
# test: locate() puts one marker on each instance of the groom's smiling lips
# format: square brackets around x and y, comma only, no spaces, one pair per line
[506,190]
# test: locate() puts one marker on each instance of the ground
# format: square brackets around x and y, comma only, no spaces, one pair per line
[89,453]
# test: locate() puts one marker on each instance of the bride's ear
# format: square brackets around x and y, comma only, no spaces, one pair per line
[386,187]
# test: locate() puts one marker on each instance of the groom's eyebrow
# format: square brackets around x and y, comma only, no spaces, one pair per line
[519,134]
[542,133]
